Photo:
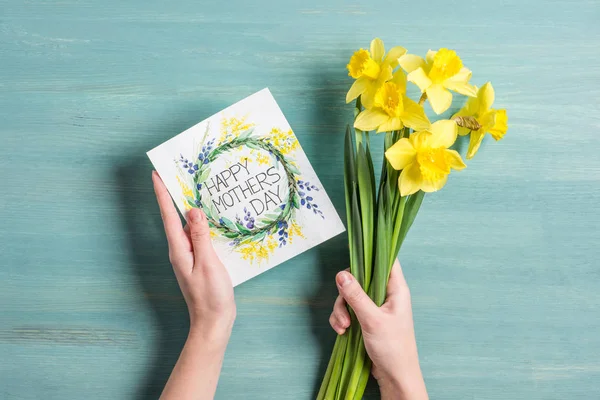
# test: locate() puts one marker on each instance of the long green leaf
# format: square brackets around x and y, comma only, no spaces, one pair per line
[349,357]
[349,180]
[364,379]
[327,378]
[366,190]
[356,251]
[331,390]
[412,208]
[386,168]
[382,249]
[398,221]
[370,165]
[357,368]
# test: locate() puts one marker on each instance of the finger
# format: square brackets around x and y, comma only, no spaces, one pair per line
[341,312]
[173,229]
[397,289]
[356,298]
[204,253]
[336,325]
[396,282]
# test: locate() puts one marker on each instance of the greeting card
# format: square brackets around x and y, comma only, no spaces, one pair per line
[246,170]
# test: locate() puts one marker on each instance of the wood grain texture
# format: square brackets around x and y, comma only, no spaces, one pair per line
[502,264]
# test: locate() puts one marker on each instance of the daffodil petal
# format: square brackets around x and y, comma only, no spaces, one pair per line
[392,56]
[439,98]
[444,133]
[429,186]
[419,78]
[487,120]
[372,86]
[420,139]
[410,62]
[430,56]
[399,78]
[401,154]
[393,124]
[413,115]
[474,143]
[455,159]
[463,131]
[358,87]
[377,49]
[470,108]
[410,179]
[369,120]
[500,126]
[486,96]
[369,94]
[462,88]
[385,74]
[462,76]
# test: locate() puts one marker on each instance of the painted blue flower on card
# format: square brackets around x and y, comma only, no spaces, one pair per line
[282,232]
[306,200]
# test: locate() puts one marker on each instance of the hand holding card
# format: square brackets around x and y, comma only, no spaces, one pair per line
[245,169]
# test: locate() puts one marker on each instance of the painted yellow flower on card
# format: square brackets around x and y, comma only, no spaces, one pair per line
[284,140]
[185,189]
[233,127]
[258,251]
[294,230]
[262,159]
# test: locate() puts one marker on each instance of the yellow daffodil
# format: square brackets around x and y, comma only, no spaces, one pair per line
[392,109]
[441,72]
[371,69]
[492,121]
[425,159]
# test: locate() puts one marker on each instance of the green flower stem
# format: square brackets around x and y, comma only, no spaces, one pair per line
[412,208]
[357,132]
[349,181]
[330,393]
[397,229]
[378,222]
[364,379]
[366,199]
[348,360]
[330,366]
[357,368]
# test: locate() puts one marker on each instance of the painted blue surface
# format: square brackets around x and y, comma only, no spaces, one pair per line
[502,263]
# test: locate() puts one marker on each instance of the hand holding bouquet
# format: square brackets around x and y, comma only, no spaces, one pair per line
[418,159]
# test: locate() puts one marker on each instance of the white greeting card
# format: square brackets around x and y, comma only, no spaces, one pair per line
[245,168]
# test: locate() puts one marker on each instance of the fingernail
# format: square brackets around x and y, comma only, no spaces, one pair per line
[343,278]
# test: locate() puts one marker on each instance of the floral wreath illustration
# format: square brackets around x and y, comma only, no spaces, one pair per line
[247,230]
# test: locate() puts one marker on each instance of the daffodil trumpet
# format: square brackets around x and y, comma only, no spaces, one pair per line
[419,157]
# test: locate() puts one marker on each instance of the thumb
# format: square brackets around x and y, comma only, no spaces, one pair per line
[200,236]
[355,296]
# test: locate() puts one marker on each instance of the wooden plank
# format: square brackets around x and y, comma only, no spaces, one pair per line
[502,263]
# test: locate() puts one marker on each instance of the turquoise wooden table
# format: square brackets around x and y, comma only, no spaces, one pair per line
[502,264]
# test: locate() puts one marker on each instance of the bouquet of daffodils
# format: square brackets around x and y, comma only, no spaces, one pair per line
[418,159]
